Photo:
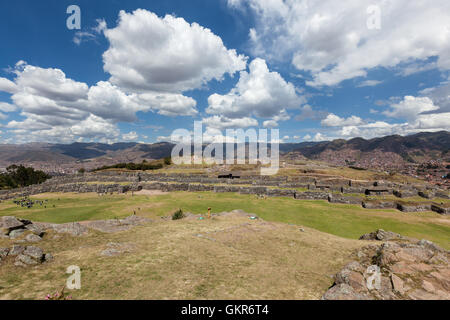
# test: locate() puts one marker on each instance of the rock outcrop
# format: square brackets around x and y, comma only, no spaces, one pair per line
[14,228]
[116,225]
[394,270]
[381,235]
[25,255]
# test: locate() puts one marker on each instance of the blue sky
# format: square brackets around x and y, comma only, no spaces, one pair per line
[316,72]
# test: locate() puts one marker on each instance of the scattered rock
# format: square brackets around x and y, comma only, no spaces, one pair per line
[35,229]
[9,224]
[73,228]
[16,233]
[110,252]
[16,250]
[48,257]
[26,256]
[33,238]
[343,292]
[34,252]
[381,235]
[4,252]
[26,259]
[114,249]
[134,220]
[117,225]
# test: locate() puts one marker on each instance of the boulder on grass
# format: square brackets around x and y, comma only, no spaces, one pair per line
[381,235]
[8,224]
[34,252]
[33,238]
[16,250]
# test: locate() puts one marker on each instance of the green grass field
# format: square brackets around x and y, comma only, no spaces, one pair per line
[348,221]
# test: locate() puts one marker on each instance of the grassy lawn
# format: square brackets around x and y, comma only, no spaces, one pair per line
[348,221]
[219,258]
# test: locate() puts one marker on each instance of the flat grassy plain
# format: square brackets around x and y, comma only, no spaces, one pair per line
[348,221]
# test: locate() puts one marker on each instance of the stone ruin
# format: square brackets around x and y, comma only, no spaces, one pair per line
[332,189]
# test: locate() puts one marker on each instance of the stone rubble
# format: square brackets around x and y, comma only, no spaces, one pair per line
[25,255]
[115,249]
[399,268]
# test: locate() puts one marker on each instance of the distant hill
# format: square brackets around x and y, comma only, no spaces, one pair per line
[415,148]
[83,151]
[377,153]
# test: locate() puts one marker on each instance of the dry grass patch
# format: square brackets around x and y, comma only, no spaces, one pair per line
[229,257]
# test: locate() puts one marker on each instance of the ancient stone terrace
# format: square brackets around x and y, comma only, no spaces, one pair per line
[304,187]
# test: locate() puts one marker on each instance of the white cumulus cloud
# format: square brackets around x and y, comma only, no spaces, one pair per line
[333,120]
[411,107]
[331,39]
[169,54]
[259,93]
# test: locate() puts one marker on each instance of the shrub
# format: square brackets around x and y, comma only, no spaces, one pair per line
[178,215]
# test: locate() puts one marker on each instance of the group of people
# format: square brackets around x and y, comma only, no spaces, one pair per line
[28,203]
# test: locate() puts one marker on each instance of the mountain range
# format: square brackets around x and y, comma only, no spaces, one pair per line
[383,152]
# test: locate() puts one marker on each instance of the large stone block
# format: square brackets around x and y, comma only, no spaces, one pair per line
[253,190]
[311,195]
[200,187]
[441,208]
[379,204]
[227,189]
[281,193]
[353,190]
[413,207]
[335,198]
[405,193]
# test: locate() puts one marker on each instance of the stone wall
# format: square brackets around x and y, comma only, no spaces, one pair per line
[253,190]
[361,190]
[312,195]
[226,189]
[405,193]
[379,204]
[413,207]
[281,193]
[441,208]
[336,198]
[333,190]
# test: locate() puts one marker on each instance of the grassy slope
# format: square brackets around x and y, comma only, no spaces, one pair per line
[221,258]
[348,221]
